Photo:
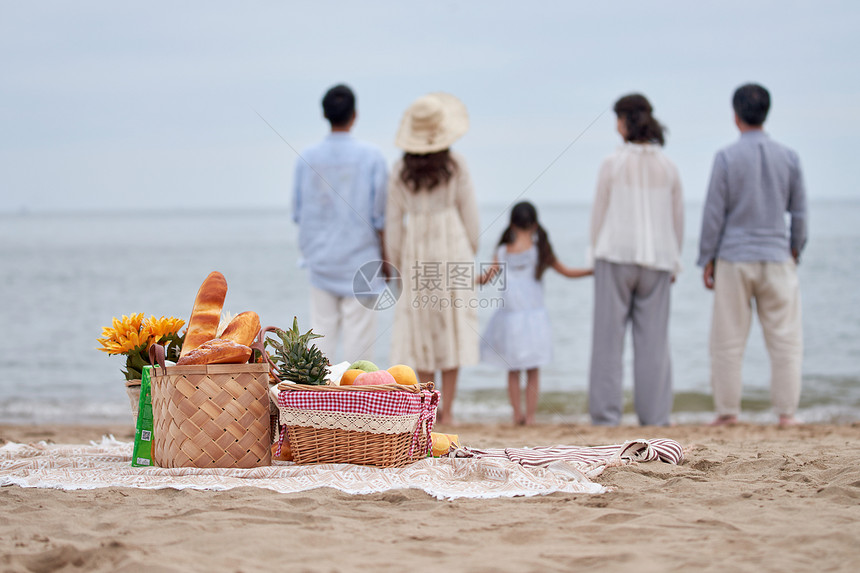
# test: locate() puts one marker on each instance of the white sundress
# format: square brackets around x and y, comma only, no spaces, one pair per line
[431,239]
[519,335]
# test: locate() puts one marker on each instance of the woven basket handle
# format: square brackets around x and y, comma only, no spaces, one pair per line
[156,356]
[260,344]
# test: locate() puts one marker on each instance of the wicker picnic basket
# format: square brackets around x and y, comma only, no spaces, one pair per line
[345,424]
[210,416]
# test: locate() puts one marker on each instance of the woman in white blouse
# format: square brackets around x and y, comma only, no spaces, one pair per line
[637,227]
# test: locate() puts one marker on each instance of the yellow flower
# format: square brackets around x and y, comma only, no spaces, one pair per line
[109,346]
[133,335]
[116,337]
[133,340]
[128,323]
[160,328]
[134,331]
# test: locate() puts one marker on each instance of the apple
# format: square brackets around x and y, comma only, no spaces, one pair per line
[365,365]
[376,378]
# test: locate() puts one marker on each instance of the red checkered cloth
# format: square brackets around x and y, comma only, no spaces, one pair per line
[360,402]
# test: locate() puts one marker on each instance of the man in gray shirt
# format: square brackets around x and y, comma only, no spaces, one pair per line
[748,254]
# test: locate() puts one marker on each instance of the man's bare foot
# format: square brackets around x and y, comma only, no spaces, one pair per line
[785,421]
[727,420]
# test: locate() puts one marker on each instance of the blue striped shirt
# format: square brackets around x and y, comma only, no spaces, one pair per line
[754,183]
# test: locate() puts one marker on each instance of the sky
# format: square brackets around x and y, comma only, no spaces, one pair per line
[168,105]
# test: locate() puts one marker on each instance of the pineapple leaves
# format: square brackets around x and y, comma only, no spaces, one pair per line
[295,358]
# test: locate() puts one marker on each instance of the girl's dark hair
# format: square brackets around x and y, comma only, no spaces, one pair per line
[524,217]
[635,110]
[427,171]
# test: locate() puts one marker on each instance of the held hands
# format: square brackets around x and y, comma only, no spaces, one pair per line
[489,274]
[570,272]
[577,273]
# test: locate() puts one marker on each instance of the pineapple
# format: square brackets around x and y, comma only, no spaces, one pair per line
[295,360]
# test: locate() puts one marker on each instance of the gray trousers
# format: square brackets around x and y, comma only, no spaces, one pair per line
[630,293]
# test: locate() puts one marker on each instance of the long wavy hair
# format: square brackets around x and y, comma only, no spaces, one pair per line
[524,217]
[427,171]
[635,110]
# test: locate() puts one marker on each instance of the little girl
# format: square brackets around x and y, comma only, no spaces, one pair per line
[518,335]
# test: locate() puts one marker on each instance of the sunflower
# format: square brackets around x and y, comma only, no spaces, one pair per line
[161,329]
[133,335]
[128,323]
[123,336]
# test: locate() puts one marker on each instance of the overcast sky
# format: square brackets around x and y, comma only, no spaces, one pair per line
[108,105]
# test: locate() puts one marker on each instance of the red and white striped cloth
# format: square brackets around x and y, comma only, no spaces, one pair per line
[661,449]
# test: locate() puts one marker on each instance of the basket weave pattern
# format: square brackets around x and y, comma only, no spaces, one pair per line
[327,446]
[211,416]
[353,437]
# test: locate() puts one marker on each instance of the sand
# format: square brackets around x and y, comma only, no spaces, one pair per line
[748,498]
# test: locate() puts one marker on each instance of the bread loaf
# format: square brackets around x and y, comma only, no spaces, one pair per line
[243,328]
[217,351]
[203,324]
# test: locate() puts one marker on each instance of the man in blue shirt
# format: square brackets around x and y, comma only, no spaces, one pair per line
[748,254]
[339,198]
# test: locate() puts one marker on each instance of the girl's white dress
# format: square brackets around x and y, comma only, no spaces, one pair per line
[519,336]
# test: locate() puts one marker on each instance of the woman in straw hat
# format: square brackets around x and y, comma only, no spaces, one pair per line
[431,236]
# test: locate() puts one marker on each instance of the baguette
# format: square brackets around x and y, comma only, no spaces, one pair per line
[217,351]
[203,324]
[243,328]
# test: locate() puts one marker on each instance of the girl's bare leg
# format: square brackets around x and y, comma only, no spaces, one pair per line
[449,390]
[532,391]
[514,395]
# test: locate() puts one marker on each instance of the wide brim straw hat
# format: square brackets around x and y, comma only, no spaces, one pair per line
[432,123]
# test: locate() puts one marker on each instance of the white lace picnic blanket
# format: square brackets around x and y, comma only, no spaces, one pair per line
[107,464]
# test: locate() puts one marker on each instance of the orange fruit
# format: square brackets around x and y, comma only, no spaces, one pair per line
[349,377]
[403,374]
[440,444]
[286,452]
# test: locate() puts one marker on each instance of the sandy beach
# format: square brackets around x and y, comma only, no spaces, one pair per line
[748,498]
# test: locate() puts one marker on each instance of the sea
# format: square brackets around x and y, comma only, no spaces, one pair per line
[64,276]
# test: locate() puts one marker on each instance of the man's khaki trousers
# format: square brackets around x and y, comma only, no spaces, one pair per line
[775,289]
